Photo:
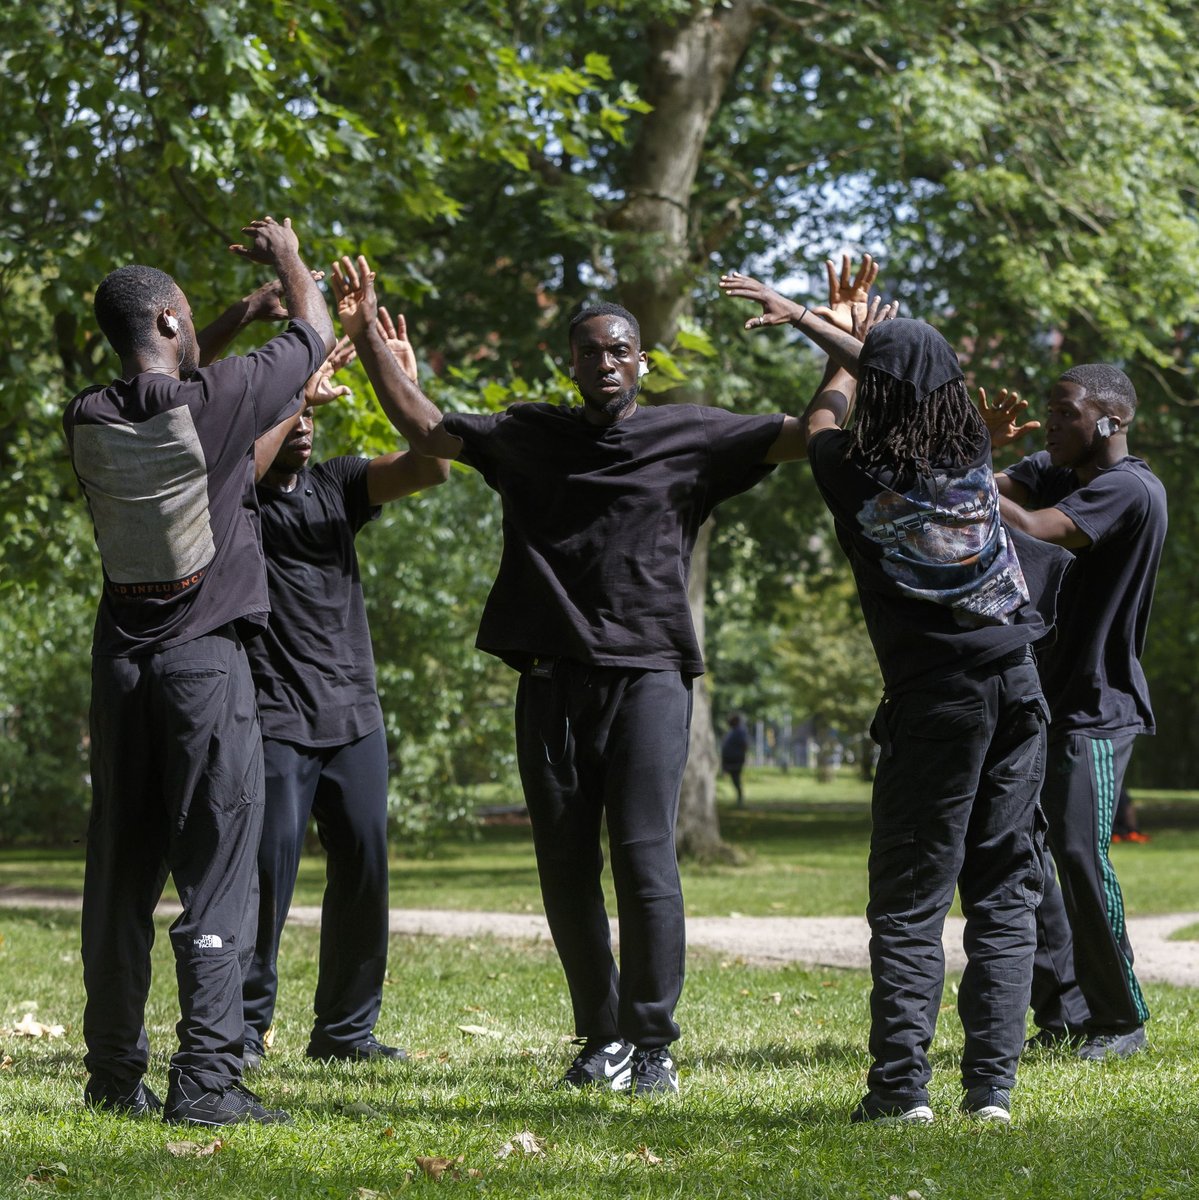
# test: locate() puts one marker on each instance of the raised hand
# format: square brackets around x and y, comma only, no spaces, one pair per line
[395,334]
[269,241]
[354,290]
[320,388]
[872,314]
[1000,418]
[847,296]
[265,303]
[776,309]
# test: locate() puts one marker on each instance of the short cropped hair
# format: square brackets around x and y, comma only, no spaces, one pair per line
[1107,386]
[604,309]
[128,300]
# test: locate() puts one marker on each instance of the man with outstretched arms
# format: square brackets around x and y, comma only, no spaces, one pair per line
[902,460]
[602,504]
[164,456]
[323,740]
[1086,492]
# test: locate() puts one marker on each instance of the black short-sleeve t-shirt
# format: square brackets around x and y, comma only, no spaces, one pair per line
[313,666]
[167,469]
[1092,674]
[600,523]
[941,586]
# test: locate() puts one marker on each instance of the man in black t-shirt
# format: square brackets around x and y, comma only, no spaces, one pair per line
[323,741]
[961,727]
[1087,493]
[164,458]
[602,505]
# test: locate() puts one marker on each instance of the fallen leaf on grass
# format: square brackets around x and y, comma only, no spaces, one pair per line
[479,1031]
[473,1008]
[6,1063]
[367,1194]
[268,1038]
[647,1156]
[357,1108]
[29,1027]
[55,1173]
[194,1149]
[773,998]
[436,1166]
[523,1143]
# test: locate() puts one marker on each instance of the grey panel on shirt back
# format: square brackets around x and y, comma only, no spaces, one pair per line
[147,485]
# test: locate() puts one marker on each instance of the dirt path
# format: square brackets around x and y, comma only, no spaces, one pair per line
[821,941]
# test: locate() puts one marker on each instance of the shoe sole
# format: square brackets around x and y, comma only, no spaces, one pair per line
[991,1112]
[921,1115]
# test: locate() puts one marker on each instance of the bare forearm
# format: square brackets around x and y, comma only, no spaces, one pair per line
[214,337]
[303,298]
[412,413]
[841,347]
[269,445]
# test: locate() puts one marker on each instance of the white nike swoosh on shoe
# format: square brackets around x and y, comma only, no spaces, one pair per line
[611,1069]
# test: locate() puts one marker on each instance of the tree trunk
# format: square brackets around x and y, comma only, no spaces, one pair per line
[690,65]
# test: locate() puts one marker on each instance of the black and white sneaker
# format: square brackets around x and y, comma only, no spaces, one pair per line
[121,1098]
[601,1064]
[654,1072]
[875,1109]
[190,1103]
[988,1103]
[1114,1045]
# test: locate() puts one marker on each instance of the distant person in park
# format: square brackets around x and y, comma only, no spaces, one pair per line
[602,505]
[164,456]
[324,744]
[902,460]
[1125,826]
[1085,491]
[733,751]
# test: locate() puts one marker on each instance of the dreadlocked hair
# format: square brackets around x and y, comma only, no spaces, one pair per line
[896,430]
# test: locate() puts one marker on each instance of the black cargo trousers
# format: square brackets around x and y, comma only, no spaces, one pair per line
[955,804]
[177,788]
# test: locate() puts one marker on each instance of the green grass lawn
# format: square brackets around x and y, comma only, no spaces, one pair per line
[772,1060]
[804,846]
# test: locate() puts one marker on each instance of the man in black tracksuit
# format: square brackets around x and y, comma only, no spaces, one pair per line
[1087,493]
[962,723]
[602,505]
[323,740]
[164,456]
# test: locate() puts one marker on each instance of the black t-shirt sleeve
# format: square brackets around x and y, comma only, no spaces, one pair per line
[477,431]
[1112,504]
[349,472]
[1031,472]
[737,445]
[273,376]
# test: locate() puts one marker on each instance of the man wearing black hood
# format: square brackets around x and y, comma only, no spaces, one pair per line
[962,721]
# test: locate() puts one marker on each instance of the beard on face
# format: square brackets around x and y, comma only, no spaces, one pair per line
[614,405]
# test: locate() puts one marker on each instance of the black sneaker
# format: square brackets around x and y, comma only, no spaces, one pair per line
[135,1101]
[654,1072]
[370,1050]
[601,1064]
[1114,1045]
[891,1112]
[988,1103]
[189,1103]
[1052,1038]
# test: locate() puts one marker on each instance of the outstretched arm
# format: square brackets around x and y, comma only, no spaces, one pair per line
[278,246]
[392,476]
[406,406]
[841,346]
[1046,524]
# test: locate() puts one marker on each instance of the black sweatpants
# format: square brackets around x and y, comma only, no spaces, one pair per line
[955,803]
[607,741]
[345,789]
[1058,1005]
[176,760]
[1082,782]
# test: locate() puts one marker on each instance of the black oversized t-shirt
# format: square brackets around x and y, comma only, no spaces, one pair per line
[167,469]
[313,666]
[599,525]
[941,587]
[1092,674]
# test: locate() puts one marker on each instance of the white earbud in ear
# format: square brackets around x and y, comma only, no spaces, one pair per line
[642,369]
[572,374]
[172,322]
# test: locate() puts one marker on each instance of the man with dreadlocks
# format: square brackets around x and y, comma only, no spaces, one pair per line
[1086,492]
[962,721]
